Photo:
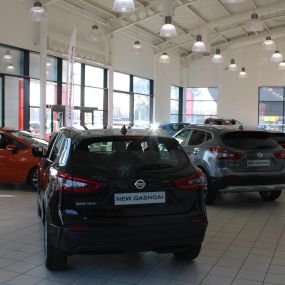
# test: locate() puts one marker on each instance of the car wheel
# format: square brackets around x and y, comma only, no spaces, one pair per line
[33,178]
[188,253]
[270,195]
[210,193]
[55,259]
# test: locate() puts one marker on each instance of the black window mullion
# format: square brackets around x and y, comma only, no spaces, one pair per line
[180,112]
[26,103]
[59,81]
[105,99]
[132,100]
[82,93]
[151,101]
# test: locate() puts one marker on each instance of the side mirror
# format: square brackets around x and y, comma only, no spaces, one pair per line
[39,151]
[12,147]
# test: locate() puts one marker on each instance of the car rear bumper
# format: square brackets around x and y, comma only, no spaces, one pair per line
[254,183]
[173,233]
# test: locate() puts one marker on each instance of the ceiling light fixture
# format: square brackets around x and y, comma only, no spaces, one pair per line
[254,25]
[277,56]
[199,45]
[232,66]
[37,13]
[7,56]
[124,6]
[137,47]
[217,58]
[233,1]
[281,65]
[168,30]
[164,58]
[269,44]
[93,35]
[10,67]
[242,74]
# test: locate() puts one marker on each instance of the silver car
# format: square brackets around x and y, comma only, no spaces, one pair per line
[235,160]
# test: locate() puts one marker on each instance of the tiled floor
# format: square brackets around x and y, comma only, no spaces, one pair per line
[245,245]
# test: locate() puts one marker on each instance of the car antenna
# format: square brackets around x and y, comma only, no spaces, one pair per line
[124,130]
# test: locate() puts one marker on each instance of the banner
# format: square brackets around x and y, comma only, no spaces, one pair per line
[69,81]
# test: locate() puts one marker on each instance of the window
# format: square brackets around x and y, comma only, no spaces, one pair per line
[176,94]
[197,137]
[132,101]
[200,103]
[12,61]
[183,136]
[271,108]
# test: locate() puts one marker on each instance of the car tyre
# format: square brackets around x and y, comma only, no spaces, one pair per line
[33,178]
[270,195]
[188,253]
[210,193]
[55,259]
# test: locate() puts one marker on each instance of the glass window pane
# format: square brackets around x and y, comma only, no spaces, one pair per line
[94,97]
[12,61]
[141,85]
[51,93]
[174,107]
[76,94]
[196,119]
[76,70]
[201,108]
[174,118]
[121,81]
[271,115]
[174,93]
[141,111]
[271,94]
[35,120]
[94,76]
[121,109]
[206,94]
[51,67]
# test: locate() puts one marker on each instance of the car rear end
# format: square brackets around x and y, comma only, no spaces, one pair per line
[248,161]
[127,193]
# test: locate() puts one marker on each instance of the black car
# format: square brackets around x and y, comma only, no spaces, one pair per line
[172,128]
[101,191]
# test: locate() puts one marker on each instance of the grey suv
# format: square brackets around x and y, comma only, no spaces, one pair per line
[234,160]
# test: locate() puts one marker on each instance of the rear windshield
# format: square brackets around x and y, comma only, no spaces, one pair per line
[128,155]
[279,137]
[249,140]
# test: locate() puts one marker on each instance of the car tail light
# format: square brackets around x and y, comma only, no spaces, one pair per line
[280,154]
[193,182]
[68,183]
[222,153]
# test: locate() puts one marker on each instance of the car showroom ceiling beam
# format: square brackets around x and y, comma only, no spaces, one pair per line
[224,22]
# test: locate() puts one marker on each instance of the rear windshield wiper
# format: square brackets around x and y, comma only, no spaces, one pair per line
[155,166]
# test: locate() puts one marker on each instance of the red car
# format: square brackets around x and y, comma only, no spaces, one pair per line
[17,164]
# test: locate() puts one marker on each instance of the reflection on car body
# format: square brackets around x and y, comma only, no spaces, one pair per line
[101,191]
[235,160]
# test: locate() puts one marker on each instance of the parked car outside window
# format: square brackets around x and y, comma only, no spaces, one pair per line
[234,160]
[101,191]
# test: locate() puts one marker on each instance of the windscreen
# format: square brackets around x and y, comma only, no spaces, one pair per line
[249,140]
[127,156]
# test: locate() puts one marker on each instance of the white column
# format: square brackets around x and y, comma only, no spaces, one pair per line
[110,97]
[43,60]
[155,87]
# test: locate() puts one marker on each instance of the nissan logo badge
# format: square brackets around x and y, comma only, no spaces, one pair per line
[259,155]
[140,184]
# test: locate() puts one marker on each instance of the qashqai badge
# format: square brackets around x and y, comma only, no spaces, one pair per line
[140,184]
[259,155]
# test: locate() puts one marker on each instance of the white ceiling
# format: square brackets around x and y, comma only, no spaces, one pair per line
[221,24]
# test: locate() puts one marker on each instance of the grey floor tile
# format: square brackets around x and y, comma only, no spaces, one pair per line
[251,275]
[246,282]
[24,280]
[213,279]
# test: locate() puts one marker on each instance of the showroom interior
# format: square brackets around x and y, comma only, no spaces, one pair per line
[126,72]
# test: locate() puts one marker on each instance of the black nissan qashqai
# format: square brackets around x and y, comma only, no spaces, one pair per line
[104,191]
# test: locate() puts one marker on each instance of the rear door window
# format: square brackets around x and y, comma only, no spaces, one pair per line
[197,137]
[183,136]
[249,140]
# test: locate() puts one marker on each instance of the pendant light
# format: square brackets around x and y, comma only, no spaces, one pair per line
[254,25]
[137,47]
[232,1]
[277,56]
[217,58]
[232,66]
[164,58]
[242,74]
[199,45]
[7,56]
[168,30]
[281,65]
[269,44]
[124,6]
[37,13]
[93,35]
